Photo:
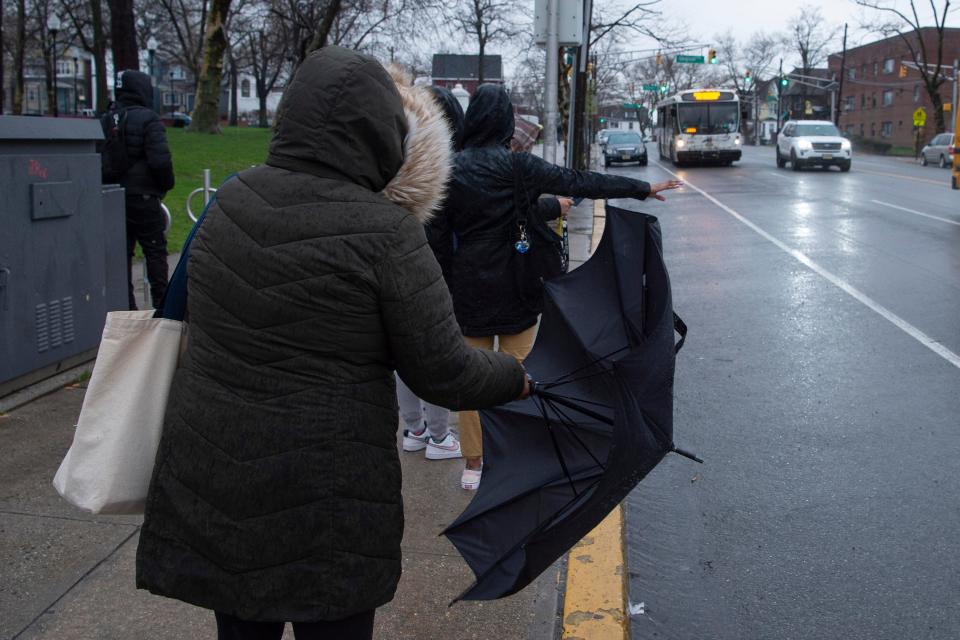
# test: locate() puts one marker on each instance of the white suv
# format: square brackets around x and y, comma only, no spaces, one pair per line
[805,143]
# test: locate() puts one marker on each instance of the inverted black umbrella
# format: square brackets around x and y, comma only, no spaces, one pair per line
[599,419]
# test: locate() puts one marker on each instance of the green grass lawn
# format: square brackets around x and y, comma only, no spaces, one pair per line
[236,149]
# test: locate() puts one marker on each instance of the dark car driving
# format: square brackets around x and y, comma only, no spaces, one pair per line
[624,147]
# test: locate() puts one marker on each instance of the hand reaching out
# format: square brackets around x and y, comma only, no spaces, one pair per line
[657,187]
[565,204]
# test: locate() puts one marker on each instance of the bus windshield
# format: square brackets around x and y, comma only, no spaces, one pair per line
[709,118]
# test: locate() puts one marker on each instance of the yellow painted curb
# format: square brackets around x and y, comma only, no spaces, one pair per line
[594,604]
[595,599]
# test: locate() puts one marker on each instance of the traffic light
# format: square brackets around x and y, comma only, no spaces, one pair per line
[712,56]
[602,119]
[658,57]
[663,88]
[748,78]
[784,82]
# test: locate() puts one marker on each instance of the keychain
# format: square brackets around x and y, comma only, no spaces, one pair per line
[522,245]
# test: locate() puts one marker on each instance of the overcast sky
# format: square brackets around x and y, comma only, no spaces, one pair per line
[708,18]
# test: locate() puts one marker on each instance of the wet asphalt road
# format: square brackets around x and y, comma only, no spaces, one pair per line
[821,384]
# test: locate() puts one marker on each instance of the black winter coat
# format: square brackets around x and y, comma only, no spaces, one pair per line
[482,214]
[276,490]
[150,164]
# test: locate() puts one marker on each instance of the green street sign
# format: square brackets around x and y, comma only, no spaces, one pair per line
[631,105]
[650,87]
[690,59]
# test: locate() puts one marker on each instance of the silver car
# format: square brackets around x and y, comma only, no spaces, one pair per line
[939,150]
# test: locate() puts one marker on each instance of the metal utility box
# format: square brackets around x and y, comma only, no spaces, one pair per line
[56,241]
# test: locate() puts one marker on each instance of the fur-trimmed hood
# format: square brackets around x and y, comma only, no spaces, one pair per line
[344,117]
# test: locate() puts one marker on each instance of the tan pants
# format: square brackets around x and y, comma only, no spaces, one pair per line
[518,345]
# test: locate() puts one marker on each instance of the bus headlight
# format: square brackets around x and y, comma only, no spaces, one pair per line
[680,143]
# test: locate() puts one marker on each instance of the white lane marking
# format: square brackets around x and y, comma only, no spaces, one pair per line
[900,176]
[917,213]
[912,331]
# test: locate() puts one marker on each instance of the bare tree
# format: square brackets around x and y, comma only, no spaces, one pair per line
[925,49]
[86,21]
[264,52]
[811,36]
[487,21]
[19,55]
[3,42]
[179,26]
[206,112]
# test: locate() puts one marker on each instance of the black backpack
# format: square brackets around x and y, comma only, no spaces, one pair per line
[113,153]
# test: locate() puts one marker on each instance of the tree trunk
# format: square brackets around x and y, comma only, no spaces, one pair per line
[483,48]
[206,112]
[323,30]
[18,55]
[234,87]
[262,95]
[3,85]
[123,35]
[937,103]
[99,55]
[50,68]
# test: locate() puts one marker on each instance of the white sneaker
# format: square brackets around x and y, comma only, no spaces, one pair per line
[416,441]
[470,480]
[444,449]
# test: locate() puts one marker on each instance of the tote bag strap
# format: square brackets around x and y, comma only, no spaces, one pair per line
[174,305]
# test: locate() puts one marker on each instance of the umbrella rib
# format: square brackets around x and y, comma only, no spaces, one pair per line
[567,422]
[588,365]
[551,385]
[556,446]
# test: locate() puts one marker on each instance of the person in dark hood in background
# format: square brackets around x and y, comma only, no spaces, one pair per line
[276,493]
[488,299]
[147,177]
[427,425]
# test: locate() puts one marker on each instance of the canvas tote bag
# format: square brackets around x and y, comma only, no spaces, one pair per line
[108,467]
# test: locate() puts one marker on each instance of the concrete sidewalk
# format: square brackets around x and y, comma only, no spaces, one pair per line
[69,575]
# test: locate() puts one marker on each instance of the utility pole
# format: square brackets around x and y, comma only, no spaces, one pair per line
[779,96]
[572,129]
[550,88]
[955,178]
[843,72]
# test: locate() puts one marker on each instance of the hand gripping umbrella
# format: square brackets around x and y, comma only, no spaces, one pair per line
[599,418]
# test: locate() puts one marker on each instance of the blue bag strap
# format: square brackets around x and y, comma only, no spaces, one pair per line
[174,305]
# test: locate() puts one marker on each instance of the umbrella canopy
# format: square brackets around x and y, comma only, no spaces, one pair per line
[600,417]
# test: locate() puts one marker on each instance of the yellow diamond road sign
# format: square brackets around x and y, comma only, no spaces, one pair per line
[919,117]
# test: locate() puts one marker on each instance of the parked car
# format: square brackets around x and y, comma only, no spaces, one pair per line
[602,136]
[176,120]
[806,143]
[939,150]
[624,146]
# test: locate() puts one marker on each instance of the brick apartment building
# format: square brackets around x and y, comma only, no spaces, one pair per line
[880,93]
[449,70]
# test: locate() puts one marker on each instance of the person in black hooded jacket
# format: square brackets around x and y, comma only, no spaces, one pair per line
[427,425]
[147,179]
[488,297]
